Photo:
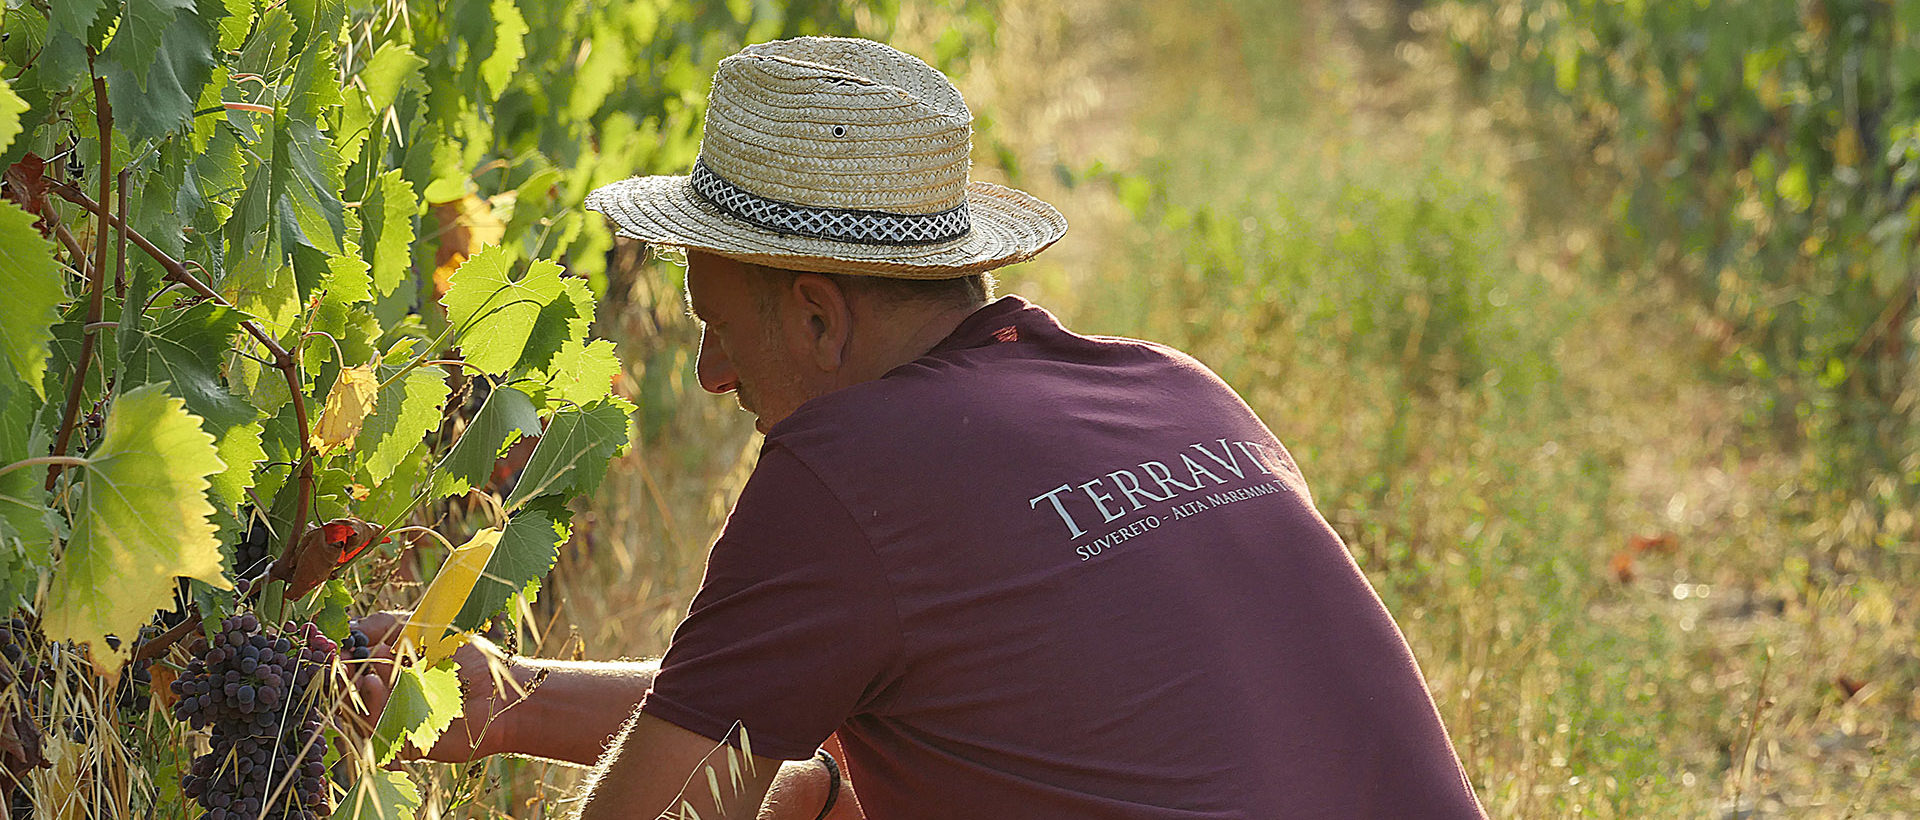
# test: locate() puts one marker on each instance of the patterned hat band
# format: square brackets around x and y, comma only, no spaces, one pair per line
[842,224]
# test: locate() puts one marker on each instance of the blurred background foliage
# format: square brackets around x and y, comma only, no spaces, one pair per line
[1762,161]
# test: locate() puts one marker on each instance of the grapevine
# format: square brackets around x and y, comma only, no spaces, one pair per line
[301,295]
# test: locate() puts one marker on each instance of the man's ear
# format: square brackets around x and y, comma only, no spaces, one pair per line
[826,318]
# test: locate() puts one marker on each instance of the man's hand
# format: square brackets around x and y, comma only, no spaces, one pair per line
[489,683]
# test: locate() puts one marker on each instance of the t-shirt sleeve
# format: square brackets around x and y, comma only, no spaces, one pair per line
[793,627]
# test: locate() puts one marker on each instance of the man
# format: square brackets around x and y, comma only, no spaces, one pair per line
[1015,571]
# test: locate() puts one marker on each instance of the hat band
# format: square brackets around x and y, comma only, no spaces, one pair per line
[842,224]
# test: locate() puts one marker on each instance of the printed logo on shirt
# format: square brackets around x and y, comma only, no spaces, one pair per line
[1197,485]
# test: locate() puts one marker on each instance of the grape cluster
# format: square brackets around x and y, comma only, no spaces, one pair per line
[261,692]
[253,553]
[358,646]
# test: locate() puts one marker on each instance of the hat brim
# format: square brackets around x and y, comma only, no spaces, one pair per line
[1007,226]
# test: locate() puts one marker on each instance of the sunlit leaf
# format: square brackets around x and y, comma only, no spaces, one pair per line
[574,452]
[422,703]
[509,30]
[493,314]
[568,318]
[582,373]
[404,411]
[386,230]
[140,520]
[11,107]
[33,299]
[380,795]
[349,403]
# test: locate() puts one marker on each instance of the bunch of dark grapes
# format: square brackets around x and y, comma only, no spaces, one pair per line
[253,553]
[261,691]
[358,646]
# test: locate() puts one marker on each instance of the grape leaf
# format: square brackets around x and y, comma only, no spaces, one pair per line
[240,447]
[494,315]
[155,97]
[335,602]
[137,38]
[304,181]
[386,230]
[567,318]
[405,410]
[391,70]
[526,552]
[349,402]
[346,280]
[33,298]
[233,29]
[141,519]
[421,705]
[507,415]
[582,373]
[11,107]
[390,499]
[185,349]
[509,46]
[573,453]
[26,525]
[315,83]
[76,16]
[380,795]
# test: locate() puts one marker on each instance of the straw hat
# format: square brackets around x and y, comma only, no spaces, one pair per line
[837,155]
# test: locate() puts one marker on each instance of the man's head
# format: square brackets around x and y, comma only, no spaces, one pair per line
[835,154]
[777,337]
[831,227]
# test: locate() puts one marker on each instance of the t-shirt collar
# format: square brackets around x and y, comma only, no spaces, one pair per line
[1003,320]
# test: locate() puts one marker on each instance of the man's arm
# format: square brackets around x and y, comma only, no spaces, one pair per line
[586,711]
[629,777]
[559,710]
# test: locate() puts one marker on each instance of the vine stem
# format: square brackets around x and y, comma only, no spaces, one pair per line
[160,643]
[96,281]
[282,360]
[69,461]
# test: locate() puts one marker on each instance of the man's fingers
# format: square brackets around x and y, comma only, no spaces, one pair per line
[381,627]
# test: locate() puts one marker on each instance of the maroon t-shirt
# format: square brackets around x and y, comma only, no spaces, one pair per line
[1037,574]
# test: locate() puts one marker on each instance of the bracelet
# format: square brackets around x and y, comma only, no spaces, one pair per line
[833,781]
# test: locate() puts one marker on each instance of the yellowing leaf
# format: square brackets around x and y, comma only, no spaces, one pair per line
[348,404]
[141,518]
[11,107]
[33,298]
[427,627]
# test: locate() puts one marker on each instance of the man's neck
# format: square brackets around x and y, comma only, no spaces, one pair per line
[919,330]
